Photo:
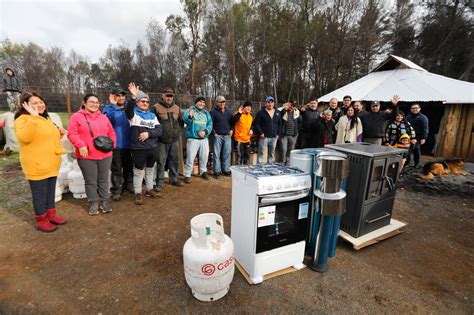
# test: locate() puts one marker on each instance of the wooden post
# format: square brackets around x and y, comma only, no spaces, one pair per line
[68,101]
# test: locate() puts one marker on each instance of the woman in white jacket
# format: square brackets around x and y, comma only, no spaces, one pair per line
[349,127]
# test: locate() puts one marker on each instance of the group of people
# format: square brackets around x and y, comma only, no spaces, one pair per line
[142,134]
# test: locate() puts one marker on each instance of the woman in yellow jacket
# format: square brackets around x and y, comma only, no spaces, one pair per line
[40,159]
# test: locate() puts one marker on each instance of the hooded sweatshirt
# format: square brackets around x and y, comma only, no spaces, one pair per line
[119,121]
[200,121]
[11,84]
[142,121]
[80,135]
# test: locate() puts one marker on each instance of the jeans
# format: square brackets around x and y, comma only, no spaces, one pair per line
[243,153]
[122,170]
[222,150]
[43,192]
[266,146]
[415,150]
[96,176]
[287,143]
[193,147]
[167,155]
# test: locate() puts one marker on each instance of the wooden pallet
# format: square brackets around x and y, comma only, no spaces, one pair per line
[266,277]
[394,228]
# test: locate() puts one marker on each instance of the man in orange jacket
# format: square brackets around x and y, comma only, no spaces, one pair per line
[242,121]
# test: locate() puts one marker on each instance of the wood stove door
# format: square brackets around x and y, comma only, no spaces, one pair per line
[376,179]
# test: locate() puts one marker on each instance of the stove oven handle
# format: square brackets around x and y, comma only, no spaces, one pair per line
[284,197]
[390,183]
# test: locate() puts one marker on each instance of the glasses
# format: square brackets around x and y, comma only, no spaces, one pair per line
[146,102]
[93,102]
[169,95]
[222,102]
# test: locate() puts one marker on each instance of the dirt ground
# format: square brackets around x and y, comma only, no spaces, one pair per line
[130,261]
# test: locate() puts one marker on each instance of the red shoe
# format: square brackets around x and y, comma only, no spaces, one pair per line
[43,224]
[53,218]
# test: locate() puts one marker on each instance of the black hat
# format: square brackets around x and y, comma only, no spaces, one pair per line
[168,90]
[247,103]
[118,91]
[199,98]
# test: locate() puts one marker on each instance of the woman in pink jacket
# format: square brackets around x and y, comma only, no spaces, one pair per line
[94,164]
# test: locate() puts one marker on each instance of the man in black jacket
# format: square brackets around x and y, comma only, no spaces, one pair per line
[267,126]
[310,116]
[419,122]
[12,87]
[375,121]
[171,120]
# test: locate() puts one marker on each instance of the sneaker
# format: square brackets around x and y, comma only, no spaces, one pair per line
[138,199]
[116,197]
[227,173]
[187,180]
[94,208]
[177,183]
[158,188]
[152,193]
[105,206]
[217,175]
[204,176]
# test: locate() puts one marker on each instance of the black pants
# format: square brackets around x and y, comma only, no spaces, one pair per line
[306,139]
[415,150]
[243,152]
[43,192]
[122,171]
[141,158]
[167,157]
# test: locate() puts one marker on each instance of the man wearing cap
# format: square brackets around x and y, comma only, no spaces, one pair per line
[198,128]
[122,169]
[242,122]
[267,125]
[144,132]
[222,132]
[374,122]
[12,87]
[290,126]
[167,150]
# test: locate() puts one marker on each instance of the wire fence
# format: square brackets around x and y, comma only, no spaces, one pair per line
[70,101]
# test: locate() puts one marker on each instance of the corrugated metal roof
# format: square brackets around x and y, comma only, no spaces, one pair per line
[412,85]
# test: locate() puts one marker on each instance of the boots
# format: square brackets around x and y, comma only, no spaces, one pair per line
[43,224]
[53,218]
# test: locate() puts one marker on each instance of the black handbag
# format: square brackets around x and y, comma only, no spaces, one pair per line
[101,143]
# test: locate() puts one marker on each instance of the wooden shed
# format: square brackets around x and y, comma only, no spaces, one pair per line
[447,102]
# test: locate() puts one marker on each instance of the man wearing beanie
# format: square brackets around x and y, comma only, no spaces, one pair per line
[242,121]
[198,128]
[144,132]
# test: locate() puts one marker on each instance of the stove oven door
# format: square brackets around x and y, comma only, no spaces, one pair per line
[282,219]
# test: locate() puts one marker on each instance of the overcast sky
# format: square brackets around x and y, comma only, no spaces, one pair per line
[88,27]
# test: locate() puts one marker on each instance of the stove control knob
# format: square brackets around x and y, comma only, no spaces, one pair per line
[278,187]
[287,185]
[269,187]
[295,184]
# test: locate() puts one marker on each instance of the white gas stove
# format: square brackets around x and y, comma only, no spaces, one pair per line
[270,208]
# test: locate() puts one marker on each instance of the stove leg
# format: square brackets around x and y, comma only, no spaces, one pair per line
[256,279]
[298,266]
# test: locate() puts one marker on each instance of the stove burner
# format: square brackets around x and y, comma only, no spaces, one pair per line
[266,170]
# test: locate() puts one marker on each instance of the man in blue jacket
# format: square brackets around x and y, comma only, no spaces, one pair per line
[122,169]
[221,122]
[198,128]
[419,122]
[267,126]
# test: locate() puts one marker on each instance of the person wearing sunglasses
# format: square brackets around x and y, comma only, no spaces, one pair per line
[375,121]
[267,125]
[144,132]
[171,120]
[222,137]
